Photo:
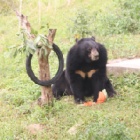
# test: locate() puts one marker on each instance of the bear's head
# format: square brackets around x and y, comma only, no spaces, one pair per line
[88,49]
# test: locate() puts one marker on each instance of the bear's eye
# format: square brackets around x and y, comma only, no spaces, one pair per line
[97,47]
[88,49]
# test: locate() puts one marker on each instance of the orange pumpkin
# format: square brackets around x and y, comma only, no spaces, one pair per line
[102,98]
[89,103]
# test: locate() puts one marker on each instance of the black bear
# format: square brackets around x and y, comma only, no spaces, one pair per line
[85,73]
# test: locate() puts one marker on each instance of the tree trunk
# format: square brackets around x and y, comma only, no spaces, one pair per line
[44,73]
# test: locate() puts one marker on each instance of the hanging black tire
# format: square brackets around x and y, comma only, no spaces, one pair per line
[55,78]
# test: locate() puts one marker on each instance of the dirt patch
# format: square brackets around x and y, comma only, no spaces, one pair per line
[73,130]
[35,128]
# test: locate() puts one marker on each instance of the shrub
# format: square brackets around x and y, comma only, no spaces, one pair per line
[81,24]
[124,18]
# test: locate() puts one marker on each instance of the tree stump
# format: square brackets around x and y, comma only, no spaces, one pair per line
[44,72]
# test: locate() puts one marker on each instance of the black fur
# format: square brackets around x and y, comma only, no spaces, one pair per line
[79,58]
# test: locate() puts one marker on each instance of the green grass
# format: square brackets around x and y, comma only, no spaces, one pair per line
[116,119]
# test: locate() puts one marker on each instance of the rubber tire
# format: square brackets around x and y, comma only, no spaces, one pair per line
[55,78]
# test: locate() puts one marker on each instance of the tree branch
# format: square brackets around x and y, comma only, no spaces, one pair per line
[25,25]
[51,36]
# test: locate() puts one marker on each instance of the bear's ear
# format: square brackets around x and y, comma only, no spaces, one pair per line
[93,38]
[76,40]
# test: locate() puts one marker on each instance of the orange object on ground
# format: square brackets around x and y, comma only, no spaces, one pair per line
[102,98]
[89,103]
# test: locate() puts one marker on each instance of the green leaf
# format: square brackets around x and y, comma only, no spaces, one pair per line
[15,53]
[31,51]
[30,44]
[34,31]
[50,46]
[38,38]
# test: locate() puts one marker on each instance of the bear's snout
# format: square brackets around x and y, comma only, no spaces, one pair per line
[94,55]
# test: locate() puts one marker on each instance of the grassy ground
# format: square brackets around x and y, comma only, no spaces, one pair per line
[116,119]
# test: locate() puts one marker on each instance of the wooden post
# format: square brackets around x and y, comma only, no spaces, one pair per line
[44,72]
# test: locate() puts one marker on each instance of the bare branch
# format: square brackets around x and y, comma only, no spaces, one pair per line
[25,24]
[51,35]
